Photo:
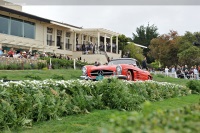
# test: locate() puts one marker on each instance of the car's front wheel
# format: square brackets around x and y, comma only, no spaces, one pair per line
[129,76]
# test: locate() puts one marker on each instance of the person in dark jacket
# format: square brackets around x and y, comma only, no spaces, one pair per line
[144,64]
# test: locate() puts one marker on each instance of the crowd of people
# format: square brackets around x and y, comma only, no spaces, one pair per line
[18,54]
[93,48]
[29,54]
[183,71]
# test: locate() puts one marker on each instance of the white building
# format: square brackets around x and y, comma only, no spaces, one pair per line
[23,31]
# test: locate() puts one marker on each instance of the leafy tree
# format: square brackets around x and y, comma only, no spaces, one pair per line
[122,42]
[188,53]
[165,48]
[134,51]
[144,35]
[190,56]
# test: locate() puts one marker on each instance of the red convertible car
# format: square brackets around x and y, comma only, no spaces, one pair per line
[122,68]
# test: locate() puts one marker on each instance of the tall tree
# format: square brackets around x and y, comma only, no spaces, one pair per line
[189,52]
[165,48]
[143,36]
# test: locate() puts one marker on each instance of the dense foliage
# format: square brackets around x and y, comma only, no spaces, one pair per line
[172,49]
[184,120]
[194,85]
[25,102]
[143,36]
[63,63]
[25,65]
[134,51]
[44,63]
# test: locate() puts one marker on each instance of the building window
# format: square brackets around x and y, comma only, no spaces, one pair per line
[49,39]
[29,30]
[16,27]
[67,41]
[68,34]
[4,23]
[49,30]
[59,32]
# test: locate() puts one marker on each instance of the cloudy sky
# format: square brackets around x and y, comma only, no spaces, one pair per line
[123,19]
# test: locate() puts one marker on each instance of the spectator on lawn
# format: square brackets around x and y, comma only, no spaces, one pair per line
[196,74]
[144,64]
[166,71]
[11,52]
[1,52]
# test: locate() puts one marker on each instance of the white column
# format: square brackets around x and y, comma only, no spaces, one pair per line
[45,36]
[89,39]
[74,46]
[30,49]
[55,37]
[116,44]
[82,39]
[64,39]
[111,44]
[98,40]
[104,42]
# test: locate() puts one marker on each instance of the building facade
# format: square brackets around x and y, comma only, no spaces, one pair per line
[20,30]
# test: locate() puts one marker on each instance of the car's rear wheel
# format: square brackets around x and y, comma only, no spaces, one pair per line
[129,76]
[149,78]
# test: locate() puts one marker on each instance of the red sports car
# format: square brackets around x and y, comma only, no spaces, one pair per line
[122,68]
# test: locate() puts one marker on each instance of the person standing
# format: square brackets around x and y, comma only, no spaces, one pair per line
[144,64]
[11,52]
[166,71]
[1,52]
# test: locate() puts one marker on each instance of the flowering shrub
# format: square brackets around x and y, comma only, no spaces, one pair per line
[24,102]
[10,63]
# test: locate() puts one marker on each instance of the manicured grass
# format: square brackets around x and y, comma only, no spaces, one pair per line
[92,122]
[43,74]
[69,74]
[162,78]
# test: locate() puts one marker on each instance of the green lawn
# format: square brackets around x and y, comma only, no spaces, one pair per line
[43,74]
[69,74]
[162,78]
[92,122]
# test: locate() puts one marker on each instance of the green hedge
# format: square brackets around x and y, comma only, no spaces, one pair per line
[24,102]
[63,63]
[194,85]
[184,120]
[25,66]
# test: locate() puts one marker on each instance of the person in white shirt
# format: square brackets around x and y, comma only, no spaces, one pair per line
[196,74]
[166,71]
[174,72]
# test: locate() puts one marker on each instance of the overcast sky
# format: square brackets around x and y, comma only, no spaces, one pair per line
[123,19]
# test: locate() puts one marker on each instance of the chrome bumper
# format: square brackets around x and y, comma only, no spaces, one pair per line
[117,76]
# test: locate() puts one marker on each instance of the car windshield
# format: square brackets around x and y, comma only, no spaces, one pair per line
[117,62]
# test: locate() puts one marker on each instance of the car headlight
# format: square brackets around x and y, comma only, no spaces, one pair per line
[84,70]
[119,70]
